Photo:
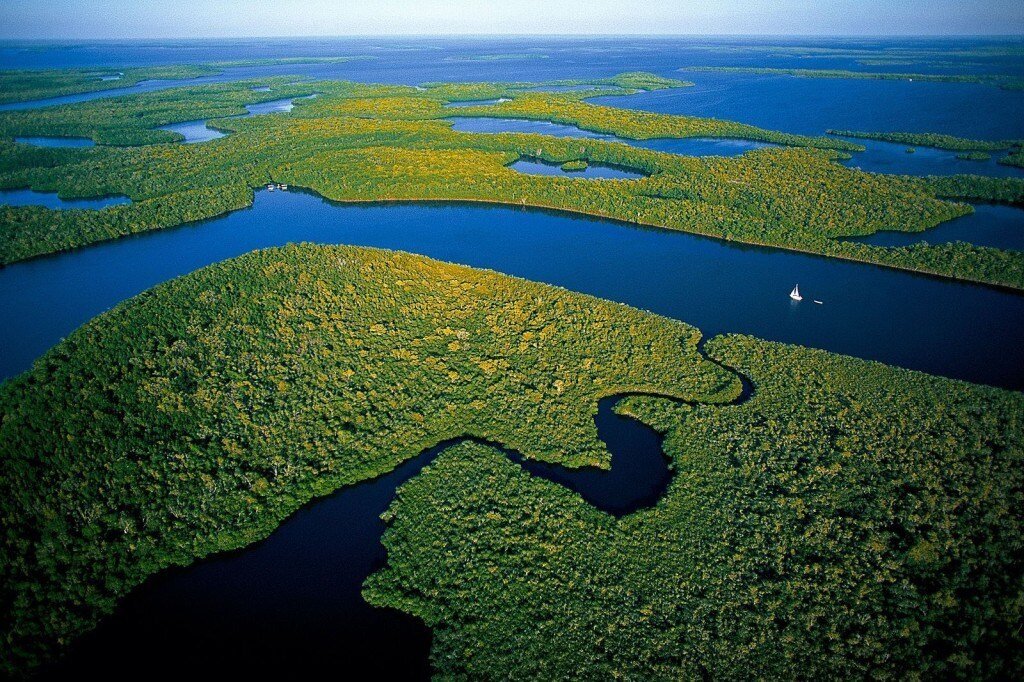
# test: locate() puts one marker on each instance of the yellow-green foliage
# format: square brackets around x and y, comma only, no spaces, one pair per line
[936,140]
[196,416]
[18,86]
[132,119]
[368,142]
[849,521]
[637,125]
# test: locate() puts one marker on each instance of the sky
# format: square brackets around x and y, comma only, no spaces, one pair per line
[82,19]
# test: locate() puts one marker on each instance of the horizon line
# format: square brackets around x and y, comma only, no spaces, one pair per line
[1018,36]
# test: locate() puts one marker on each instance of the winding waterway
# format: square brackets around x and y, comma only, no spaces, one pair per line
[291,605]
[939,326]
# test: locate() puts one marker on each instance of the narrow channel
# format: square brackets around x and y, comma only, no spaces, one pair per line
[291,604]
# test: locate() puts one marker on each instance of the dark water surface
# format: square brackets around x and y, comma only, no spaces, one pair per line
[291,604]
[940,326]
[1001,227]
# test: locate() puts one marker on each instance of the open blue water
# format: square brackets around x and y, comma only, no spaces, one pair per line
[798,105]
[878,157]
[939,326]
[887,157]
[28,197]
[292,603]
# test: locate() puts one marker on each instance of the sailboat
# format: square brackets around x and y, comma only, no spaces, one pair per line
[795,294]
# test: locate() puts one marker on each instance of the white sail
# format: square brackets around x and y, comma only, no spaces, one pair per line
[795,294]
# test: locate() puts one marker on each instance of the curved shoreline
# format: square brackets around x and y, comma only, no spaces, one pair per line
[542,207]
[606,489]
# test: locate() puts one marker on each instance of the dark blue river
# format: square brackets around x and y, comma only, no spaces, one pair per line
[939,326]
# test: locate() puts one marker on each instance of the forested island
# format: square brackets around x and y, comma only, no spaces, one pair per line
[1004,82]
[393,143]
[806,528]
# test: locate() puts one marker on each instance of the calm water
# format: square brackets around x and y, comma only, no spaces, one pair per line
[878,157]
[886,157]
[1001,227]
[291,604]
[798,105]
[194,131]
[28,197]
[939,326]
[473,124]
[696,146]
[39,141]
[476,103]
[592,171]
[197,131]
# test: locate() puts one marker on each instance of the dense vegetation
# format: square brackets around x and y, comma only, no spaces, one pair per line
[195,417]
[973,150]
[26,85]
[572,166]
[999,80]
[978,188]
[133,119]
[850,521]
[360,142]
[1014,158]
[20,86]
[936,140]
[568,108]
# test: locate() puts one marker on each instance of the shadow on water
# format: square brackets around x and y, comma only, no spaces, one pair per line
[292,605]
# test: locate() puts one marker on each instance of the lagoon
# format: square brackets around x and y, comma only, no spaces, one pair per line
[195,132]
[291,604]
